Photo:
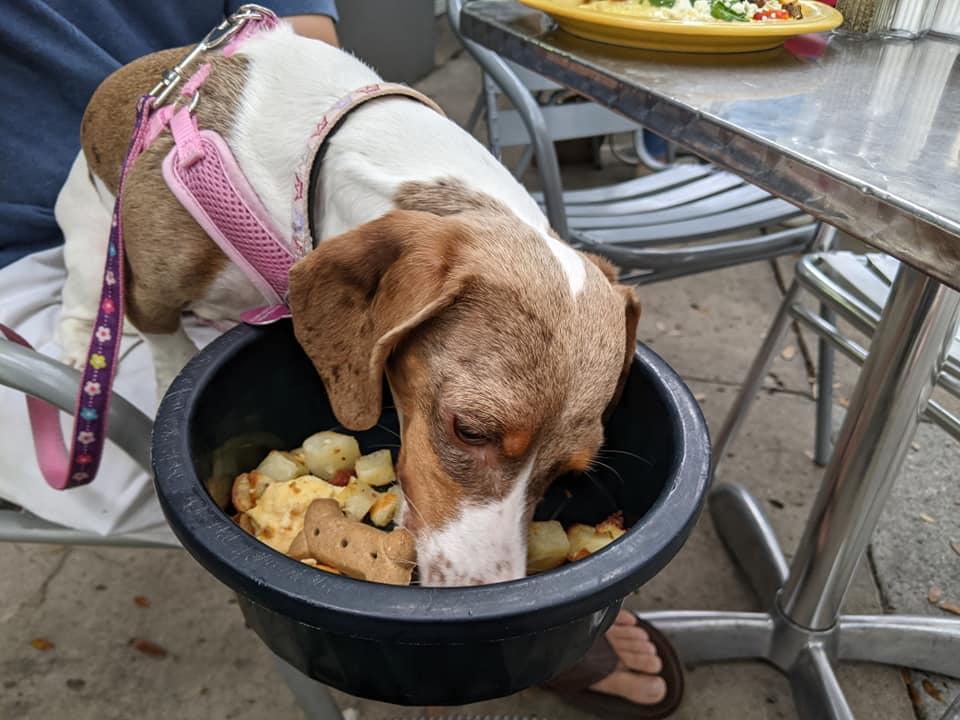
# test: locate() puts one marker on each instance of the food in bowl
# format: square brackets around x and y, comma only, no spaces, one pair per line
[332,507]
[701,10]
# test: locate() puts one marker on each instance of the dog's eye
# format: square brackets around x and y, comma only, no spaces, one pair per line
[468,435]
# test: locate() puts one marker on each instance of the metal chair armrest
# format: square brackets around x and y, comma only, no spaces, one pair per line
[42,377]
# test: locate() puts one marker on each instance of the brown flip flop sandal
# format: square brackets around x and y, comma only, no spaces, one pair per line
[573,685]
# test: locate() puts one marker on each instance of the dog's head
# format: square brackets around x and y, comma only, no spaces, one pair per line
[502,353]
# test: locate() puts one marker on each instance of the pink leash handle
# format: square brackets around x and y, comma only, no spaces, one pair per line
[63,470]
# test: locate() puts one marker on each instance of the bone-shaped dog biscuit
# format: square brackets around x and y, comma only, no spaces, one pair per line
[359,551]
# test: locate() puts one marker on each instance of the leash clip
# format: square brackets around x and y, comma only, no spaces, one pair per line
[213,39]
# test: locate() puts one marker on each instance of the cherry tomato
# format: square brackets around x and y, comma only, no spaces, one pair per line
[772,14]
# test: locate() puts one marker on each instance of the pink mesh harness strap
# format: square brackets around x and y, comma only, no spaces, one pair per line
[204,176]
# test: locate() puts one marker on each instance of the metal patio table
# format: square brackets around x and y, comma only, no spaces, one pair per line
[865,135]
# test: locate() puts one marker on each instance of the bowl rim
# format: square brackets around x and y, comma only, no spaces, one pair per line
[421,614]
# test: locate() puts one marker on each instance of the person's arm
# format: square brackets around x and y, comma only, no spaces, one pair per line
[318,27]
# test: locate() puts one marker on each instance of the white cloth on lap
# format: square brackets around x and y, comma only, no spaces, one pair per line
[121,500]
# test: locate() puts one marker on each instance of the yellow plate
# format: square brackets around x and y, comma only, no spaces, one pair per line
[698,36]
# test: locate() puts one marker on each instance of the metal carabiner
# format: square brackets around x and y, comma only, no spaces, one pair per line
[213,39]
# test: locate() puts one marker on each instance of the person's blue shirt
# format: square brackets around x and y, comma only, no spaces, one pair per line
[53,55]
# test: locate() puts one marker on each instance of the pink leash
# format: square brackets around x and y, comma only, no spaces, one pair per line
[60,469]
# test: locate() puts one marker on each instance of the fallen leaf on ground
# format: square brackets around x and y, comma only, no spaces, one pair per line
[950,607]
[928,519]
[149,648]
[911,690]
[76,683]
[930,689]
[42,644]
[700,397]
[935,595]
[788,352]
[955,546]
[141,601]
[915,446]
[843,402]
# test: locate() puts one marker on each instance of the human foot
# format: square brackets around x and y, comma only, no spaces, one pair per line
[630,673]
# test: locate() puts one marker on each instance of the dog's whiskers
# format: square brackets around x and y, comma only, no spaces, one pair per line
[390,430]
[598,464]
[642,459]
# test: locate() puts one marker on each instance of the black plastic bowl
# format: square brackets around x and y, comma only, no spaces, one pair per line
[253,389]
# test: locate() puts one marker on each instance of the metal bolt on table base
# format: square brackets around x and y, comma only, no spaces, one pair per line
[802,632]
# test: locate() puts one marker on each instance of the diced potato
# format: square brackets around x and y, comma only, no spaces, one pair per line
[356,499]
[547,546]
[612,526]
[244,521]
[282,466]
[327,452]
[586,540]
[248,488]
[386,507]
[278,515]
[375,469]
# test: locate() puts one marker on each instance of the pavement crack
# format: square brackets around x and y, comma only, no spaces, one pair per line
[773,390]
[40,596]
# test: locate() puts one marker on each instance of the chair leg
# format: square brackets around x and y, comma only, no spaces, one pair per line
[478,110]
[751,384]
[823,443]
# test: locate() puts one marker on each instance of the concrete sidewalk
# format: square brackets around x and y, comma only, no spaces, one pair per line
[103,634]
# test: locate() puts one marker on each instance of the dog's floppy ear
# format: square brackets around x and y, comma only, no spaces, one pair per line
[632,311]
[357,295]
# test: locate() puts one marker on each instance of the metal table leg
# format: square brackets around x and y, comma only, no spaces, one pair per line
[802,633]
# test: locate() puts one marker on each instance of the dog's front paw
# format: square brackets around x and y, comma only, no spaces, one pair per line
[73,336]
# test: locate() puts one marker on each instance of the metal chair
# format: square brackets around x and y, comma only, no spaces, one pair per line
[675,222]
[853,287]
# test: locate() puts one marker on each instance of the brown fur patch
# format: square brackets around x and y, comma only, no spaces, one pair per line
[171,260]
[446,196]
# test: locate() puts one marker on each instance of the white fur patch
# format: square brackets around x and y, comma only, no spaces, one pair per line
[484,544]
[570,262]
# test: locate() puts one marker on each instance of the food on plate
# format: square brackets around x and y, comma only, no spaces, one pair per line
[702,10]
[358,550]
[330,507]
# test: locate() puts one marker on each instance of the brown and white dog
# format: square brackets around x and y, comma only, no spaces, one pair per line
[503,347]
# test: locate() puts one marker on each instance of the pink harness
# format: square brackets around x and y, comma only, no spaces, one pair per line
[204,176]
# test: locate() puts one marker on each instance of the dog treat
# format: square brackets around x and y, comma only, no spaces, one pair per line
[299,549]
[328,452]
[358,550]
